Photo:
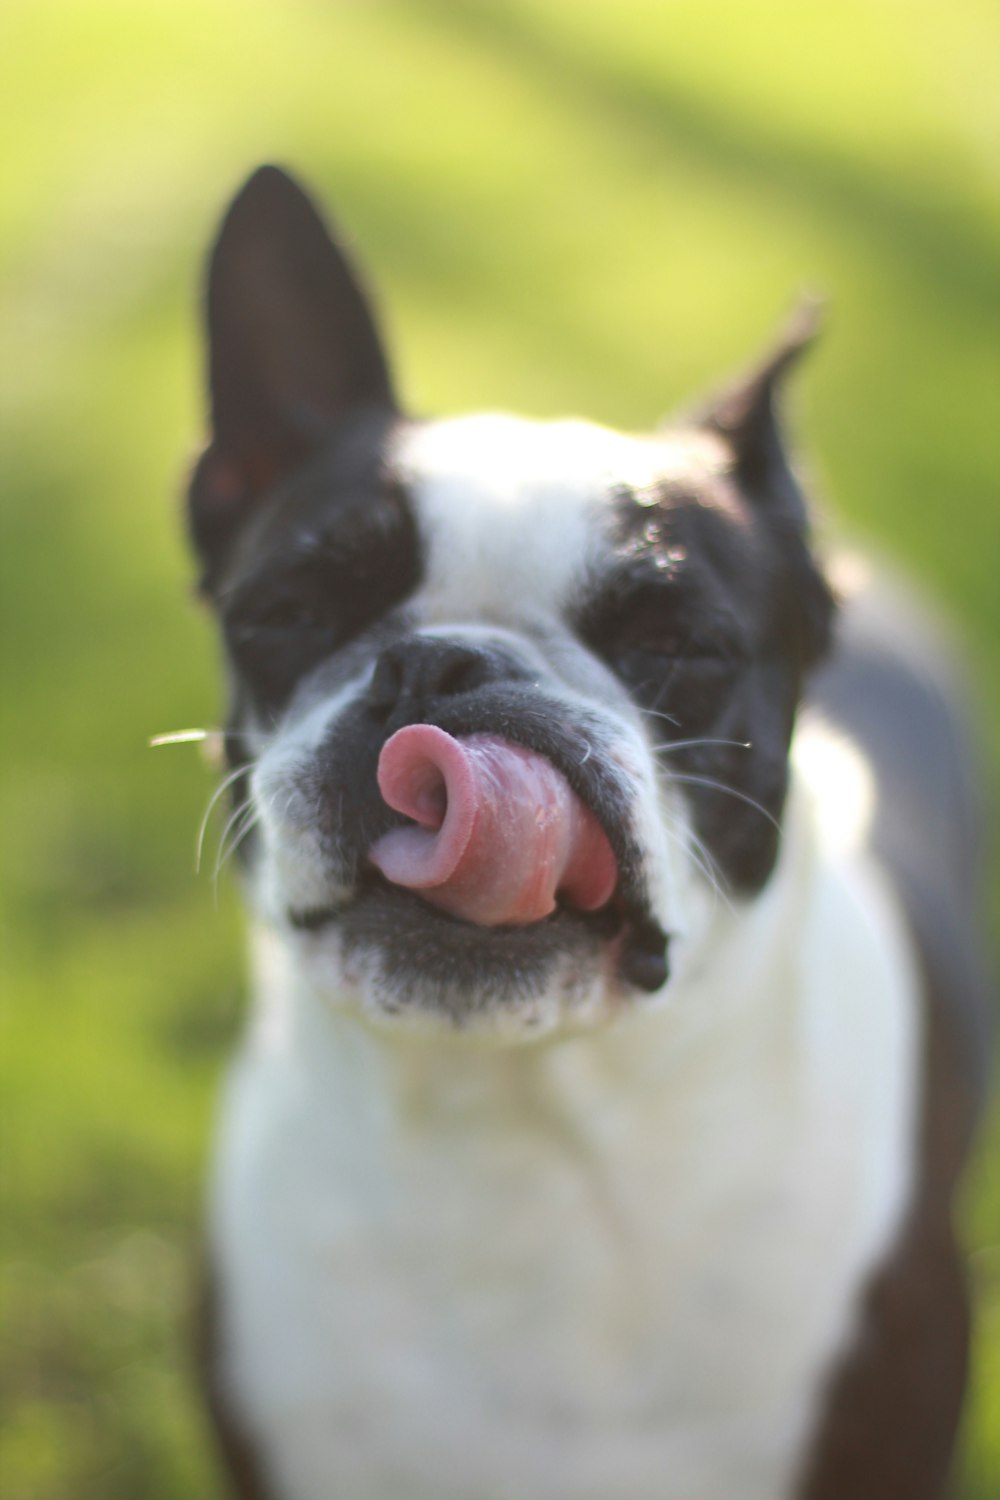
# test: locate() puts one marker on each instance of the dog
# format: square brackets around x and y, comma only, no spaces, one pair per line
[617,1034]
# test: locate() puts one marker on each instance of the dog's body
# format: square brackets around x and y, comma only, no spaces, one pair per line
[639,1185]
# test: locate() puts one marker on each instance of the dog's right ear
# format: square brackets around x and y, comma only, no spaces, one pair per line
[293,350]
[745,416]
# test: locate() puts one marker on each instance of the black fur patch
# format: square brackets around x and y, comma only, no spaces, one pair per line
[711,614]
[330,553]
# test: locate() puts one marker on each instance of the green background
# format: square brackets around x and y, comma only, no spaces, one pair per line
[567,207]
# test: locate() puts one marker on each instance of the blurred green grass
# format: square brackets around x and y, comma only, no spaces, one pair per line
[566,207]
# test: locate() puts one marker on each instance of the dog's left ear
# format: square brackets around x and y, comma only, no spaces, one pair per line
[746,416]
[293,349]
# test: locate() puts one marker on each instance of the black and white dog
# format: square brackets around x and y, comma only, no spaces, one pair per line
[614,1050]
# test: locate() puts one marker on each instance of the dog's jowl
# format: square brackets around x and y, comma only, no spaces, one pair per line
[613,1049]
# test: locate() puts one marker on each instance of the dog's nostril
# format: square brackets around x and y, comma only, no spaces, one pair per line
[459,673]
[413,672]
[386,684]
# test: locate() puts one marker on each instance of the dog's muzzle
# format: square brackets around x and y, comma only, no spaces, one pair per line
[492,804]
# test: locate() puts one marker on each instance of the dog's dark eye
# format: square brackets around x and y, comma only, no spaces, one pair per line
[290,614]
[276,640]
[635,657]
[638,663]
[282,621]
[650,632]
[671,663]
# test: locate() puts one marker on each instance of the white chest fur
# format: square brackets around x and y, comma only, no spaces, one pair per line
[618,1264]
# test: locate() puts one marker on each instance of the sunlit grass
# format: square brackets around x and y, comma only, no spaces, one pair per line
[567,208]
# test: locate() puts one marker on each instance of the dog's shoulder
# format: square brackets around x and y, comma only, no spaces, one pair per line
[892,688]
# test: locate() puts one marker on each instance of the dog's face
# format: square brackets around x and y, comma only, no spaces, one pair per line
[510,696]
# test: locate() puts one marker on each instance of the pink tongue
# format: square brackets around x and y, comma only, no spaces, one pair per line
[496,830]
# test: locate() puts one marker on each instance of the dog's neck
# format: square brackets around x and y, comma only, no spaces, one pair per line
[765,1102]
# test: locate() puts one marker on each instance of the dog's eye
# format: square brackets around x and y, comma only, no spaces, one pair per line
[290,614]
[277,640]
[637,655]
[670,662]
[651,664]
[641,638]
[686,685]
[283,616]
[636,663]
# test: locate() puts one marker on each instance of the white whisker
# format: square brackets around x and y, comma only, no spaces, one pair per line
[657,713]
[700,854]
[696,744]
[696,850]
[732,791]
[240,822]
[226,782]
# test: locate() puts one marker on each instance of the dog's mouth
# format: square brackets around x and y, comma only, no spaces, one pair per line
[496,850]
[421,941]
[494,835]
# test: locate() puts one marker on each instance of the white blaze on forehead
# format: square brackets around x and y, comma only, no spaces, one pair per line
[510,509]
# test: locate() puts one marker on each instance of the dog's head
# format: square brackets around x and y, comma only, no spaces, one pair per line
[508,696]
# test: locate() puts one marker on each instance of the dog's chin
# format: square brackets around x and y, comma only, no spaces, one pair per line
[406,963]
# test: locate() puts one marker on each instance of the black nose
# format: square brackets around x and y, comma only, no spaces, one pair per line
[410,675]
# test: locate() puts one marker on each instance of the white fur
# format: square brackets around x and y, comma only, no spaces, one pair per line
[512,507]
[615,1262]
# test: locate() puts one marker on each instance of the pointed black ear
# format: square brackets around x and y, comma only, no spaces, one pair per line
[746,416]
[293,349]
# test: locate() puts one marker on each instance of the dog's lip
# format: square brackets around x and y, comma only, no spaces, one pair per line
[372,882]
[640,944]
